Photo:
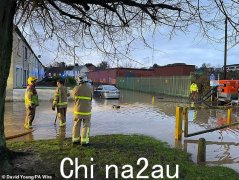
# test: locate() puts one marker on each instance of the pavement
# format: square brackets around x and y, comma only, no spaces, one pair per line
[43,94]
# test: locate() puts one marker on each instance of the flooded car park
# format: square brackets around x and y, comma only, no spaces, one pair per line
[138,114]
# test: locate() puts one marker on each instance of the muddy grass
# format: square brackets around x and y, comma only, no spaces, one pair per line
[45,157]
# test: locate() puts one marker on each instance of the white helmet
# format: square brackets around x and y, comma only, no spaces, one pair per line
[81,78]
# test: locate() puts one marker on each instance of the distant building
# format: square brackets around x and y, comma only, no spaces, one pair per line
[54,71]
[24,63]
[69,71]
[90,66]
[232,67]
[75,70]
[58,64]
[177,69]
[109,76]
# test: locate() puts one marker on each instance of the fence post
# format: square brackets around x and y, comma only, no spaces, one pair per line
[185,145]
[178,124]
[201,157]
[186,122]
[229,116]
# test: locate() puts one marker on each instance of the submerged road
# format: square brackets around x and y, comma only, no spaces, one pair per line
[137,115]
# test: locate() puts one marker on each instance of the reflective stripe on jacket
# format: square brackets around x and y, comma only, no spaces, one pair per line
[193,87]
[82,95]
[60,97]
[31,97]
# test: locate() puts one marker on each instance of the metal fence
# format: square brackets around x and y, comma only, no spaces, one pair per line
[173,85]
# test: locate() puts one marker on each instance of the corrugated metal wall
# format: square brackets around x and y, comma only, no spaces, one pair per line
[173,85]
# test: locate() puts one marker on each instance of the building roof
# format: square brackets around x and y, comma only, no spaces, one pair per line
[232,65]
[78,68]
[17,30]
[121,68]
[174,65]
[54,70]
[69,68]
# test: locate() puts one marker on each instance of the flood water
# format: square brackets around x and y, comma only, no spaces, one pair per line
[137,115]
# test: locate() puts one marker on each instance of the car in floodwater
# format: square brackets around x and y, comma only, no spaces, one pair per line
[107,92]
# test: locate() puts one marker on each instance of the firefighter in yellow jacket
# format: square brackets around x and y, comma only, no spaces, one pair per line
[82,95]
[31,101]
[60,102]
[193,91]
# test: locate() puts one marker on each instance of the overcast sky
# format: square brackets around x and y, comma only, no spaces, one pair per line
[182,48]
[187,49]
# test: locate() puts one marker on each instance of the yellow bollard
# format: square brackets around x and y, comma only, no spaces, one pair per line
[178,144]
[178,124]
[186,122]
[229,116]
[153,100]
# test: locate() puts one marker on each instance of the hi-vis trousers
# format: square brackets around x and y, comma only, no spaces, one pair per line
[81,134]
[61,115]
[30,115]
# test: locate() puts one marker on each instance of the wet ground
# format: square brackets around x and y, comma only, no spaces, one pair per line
[137,115]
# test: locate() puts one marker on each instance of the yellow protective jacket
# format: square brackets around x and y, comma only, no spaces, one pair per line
[82,95]
[31,97]
[193,87]
[60,97]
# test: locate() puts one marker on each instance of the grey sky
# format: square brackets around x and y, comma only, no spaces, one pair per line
[184,47]
[181,48]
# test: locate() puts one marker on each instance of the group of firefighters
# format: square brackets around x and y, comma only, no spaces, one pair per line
[82,94]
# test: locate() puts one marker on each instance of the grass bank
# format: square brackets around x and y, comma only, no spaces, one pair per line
[45,157]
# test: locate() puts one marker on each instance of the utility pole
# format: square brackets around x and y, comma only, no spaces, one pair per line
[74,60]
[225,51]
[117,63]
[75,54]
[117,71]
[153,55]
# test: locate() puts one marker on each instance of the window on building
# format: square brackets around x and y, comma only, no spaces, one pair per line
[17,78]
[25,76]
[18,46]
[25,53]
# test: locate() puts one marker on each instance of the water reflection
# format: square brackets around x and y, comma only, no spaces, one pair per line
[225,152]
[138,115]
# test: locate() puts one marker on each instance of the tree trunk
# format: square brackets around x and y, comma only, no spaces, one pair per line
[7,12]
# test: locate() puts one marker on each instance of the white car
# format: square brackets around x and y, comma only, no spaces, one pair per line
[107,92]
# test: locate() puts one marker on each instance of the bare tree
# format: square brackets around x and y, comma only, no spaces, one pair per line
[127,65]
[155,66]
[111,26]
[103,65]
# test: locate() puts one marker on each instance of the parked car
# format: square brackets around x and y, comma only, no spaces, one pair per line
[107,91]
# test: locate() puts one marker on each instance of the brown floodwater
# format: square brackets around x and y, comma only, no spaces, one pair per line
[137,115]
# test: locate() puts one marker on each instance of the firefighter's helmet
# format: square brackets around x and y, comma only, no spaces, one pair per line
[81,78]
[31,80]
